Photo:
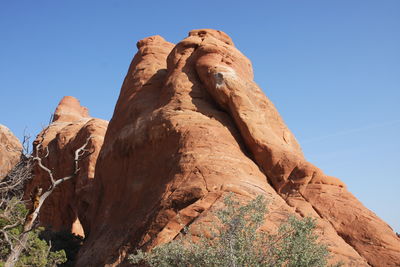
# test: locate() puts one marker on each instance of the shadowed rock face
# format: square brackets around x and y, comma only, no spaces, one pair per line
[10,151]
[66,208]
[190,125]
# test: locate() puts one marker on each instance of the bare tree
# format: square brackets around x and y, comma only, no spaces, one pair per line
[11,193]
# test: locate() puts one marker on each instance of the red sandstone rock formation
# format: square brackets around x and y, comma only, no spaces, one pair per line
[66,208]
[191,125]
[10,151]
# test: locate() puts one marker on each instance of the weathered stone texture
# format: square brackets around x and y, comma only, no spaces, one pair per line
[10,150]
[190,125]
[66,208]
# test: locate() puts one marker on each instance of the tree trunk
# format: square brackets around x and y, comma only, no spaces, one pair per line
[22,242]
[38,201]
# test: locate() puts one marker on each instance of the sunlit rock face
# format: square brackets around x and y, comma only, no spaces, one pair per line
[10,150]
[190,126]
[66,208]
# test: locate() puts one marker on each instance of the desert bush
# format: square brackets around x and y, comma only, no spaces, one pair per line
[63,241]
[239,242]
[37,251]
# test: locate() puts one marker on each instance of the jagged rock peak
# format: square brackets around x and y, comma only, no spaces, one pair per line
[70,109]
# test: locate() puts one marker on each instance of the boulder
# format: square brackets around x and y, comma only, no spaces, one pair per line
[10,151]
[191,126]
[66,208]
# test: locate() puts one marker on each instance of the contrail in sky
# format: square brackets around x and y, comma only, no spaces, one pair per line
[351,131]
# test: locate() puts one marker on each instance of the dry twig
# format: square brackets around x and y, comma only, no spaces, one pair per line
[17,182]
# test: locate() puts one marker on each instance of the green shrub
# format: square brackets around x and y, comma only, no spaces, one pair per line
[38,252]
[63,241]
[237,242]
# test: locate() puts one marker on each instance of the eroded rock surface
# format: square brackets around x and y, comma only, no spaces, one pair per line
[228,77]
[190,125]
[10,150]
[66,208]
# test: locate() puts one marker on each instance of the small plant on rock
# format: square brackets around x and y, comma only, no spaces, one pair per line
[239,242]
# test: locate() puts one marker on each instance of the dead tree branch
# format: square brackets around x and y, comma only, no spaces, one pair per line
[38,197]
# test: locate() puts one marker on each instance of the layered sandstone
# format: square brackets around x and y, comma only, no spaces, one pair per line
[10,150]
[66,208]
[190,125]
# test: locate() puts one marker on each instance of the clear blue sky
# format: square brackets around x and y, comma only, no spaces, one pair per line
[332,68]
